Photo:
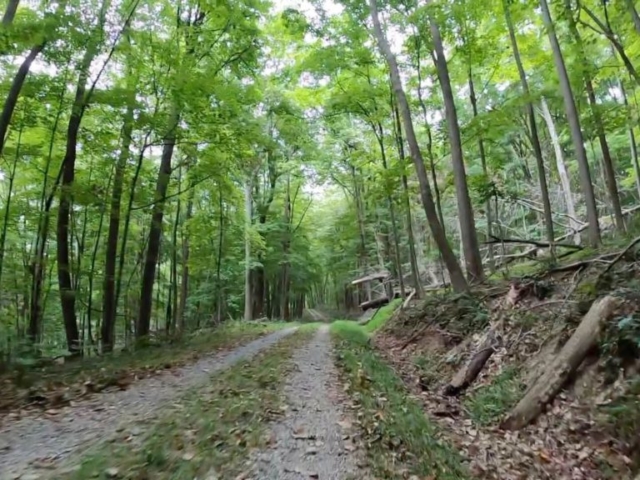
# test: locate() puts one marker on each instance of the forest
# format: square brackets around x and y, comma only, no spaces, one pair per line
[171,165]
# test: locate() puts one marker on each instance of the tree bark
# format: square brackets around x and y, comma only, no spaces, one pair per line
[155,229]
[472,256]
[634,14]
[545,388]
[468,373]
[415,270]
[184,281]
[10,12]
[632,139]
[67,292]
[562,171]
[14,92]
[458,281]
[593,230]
[109,303]
[535,139]
[483,161]
[609,172]
[248,213]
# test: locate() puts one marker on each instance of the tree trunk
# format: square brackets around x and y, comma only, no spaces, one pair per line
[109,302]
[415,271]
[545,388]
[609,172]
[248,213]
[632,138]
[468,373]
[7,205]
[392,213]
[219,287]
[10,12]
[67,292]
[593,230]
[535,140]
[457,278]
[155,229]
[634,14]
[472,256]
[174,258]
[184,282]
[562,171]
[483,161]
[14,92]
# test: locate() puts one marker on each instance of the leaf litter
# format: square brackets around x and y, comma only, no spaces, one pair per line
[567,442]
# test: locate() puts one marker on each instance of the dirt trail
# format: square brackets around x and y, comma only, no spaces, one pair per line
[310,442]
[38,441]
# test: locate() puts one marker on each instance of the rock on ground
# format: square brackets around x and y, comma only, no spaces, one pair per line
[40,441]
[312,440]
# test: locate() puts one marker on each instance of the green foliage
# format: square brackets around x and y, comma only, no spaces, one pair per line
[488,403]
[382,316]
[400,438]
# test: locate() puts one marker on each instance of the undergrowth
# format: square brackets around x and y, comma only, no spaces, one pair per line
[488,403]
[210,430]
[400,440]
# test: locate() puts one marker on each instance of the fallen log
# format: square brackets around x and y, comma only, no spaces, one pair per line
[497,241]
[468,373]
[545,389]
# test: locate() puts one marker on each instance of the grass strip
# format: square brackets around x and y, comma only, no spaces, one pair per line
[209,432]
[400,439]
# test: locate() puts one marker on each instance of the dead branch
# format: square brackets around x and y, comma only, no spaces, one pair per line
[633,243]
[495,240]
[468,373]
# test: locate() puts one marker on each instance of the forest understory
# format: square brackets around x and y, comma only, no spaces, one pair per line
[470,359]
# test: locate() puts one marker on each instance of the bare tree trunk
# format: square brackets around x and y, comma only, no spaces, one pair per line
[174,259]
[184,282]
[67,292]
[7,205]
[10,12]
[472,256]
[155,230]
[415,270]
[109,302]
[632,139]
[219,287]
[392,214]
[593,230]
[562,171]
[609,172]
[634,14]
[483,161]
[535,140]
[458,281]
[248,213]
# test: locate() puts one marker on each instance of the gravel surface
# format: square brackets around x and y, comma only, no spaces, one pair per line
[36,441]
[312,440]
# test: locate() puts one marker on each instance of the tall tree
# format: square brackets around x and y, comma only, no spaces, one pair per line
[457,278]
[593,229]
[472,255]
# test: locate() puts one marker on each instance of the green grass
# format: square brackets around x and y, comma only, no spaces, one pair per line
[488,403]
[382,316]
[107,370]
[210,430]
[400,439]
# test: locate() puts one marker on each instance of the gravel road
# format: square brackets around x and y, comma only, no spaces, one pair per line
[39,441]
[312,441]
